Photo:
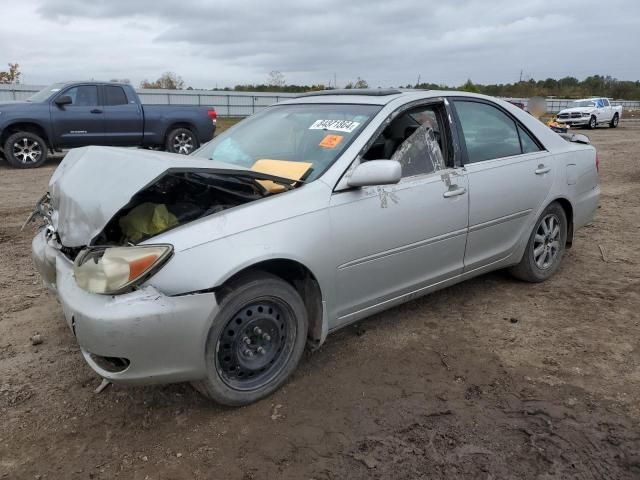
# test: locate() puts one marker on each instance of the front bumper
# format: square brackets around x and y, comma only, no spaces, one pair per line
[575,121]
[163,338]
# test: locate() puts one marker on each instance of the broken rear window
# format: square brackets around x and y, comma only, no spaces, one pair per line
[291,141]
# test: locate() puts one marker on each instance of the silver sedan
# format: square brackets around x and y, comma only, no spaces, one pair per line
[218,268]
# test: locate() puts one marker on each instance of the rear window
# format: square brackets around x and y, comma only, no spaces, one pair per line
[114,95]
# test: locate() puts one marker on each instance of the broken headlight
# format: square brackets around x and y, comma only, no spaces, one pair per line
[110,270]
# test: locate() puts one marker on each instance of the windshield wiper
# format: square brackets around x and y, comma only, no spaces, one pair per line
[287,183]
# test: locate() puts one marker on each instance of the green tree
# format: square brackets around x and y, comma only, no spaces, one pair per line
[168,80]
[469,86]
[12,75]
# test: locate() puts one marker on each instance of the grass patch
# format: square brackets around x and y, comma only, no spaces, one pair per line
[226,122]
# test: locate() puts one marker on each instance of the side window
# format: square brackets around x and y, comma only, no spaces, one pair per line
[605,102]
[114,95]
[417,139]
[599,103]
[488,133]
[528,144]
[83,96]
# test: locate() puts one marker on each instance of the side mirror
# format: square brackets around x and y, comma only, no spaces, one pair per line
[376,172]
[64,100]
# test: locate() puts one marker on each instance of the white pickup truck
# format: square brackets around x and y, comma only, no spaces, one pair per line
[591,112]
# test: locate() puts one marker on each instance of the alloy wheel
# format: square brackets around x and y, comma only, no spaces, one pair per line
[546,243]
[183,144]
[27,150]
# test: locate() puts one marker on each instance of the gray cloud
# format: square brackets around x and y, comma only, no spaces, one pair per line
[388,43]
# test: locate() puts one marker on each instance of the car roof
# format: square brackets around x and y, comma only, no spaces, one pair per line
[93,82]
[375,96]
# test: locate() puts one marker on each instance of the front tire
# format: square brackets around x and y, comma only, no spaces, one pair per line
[593,123]
[182,141]
[25,150]
[614,121]
[256,341]
[545,248]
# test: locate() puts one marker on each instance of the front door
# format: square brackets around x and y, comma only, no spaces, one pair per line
[392,241]
[80,123]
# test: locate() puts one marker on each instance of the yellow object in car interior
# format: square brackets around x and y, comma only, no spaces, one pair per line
[280,168]
[145,220]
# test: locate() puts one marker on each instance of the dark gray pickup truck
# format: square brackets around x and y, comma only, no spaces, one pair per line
[77,114]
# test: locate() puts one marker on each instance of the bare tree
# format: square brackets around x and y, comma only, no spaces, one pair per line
[168,81]
[276,79]
[361,83]
[12,75]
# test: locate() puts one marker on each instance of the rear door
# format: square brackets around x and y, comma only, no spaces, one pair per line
[123,117]
[509,175]
[80,123]
[397,240]
[607,111]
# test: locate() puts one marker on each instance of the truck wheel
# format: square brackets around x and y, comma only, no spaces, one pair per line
[614,121]
[593,123]
[25,150]
[181,140]
[545,248]
[256,340]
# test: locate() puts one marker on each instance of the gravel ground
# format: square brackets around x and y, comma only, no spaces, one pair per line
[490,379]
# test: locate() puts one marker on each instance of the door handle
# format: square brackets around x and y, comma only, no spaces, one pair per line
[96,110]
[541,170]
[454,192]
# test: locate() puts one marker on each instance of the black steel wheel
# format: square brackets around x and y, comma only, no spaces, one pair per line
[256,343]
[256,340]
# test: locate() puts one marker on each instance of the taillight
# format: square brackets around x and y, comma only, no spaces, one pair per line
[597,163]
[213,115]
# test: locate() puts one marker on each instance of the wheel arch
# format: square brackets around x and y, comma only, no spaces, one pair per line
[24,126]
[300,277]
[180,124]
[567,206]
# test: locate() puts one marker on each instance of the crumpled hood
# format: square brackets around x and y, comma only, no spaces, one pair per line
[92,184]
[577,109]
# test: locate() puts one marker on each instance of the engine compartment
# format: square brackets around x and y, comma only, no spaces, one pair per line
[175,199]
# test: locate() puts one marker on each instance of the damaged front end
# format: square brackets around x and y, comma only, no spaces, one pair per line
[100,215]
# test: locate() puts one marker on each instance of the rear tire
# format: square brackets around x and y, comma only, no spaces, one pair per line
[545,248]
[256,341]
[182,141]
[25,150]
[593,123]
[614,121]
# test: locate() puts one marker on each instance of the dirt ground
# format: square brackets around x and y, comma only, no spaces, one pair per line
[490,379]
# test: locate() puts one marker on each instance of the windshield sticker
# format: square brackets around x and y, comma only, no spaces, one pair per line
[346,126]
[330,141]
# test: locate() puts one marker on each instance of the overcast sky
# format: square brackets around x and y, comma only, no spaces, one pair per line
[227,42]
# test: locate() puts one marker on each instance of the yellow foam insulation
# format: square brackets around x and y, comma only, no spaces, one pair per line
[280,168]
